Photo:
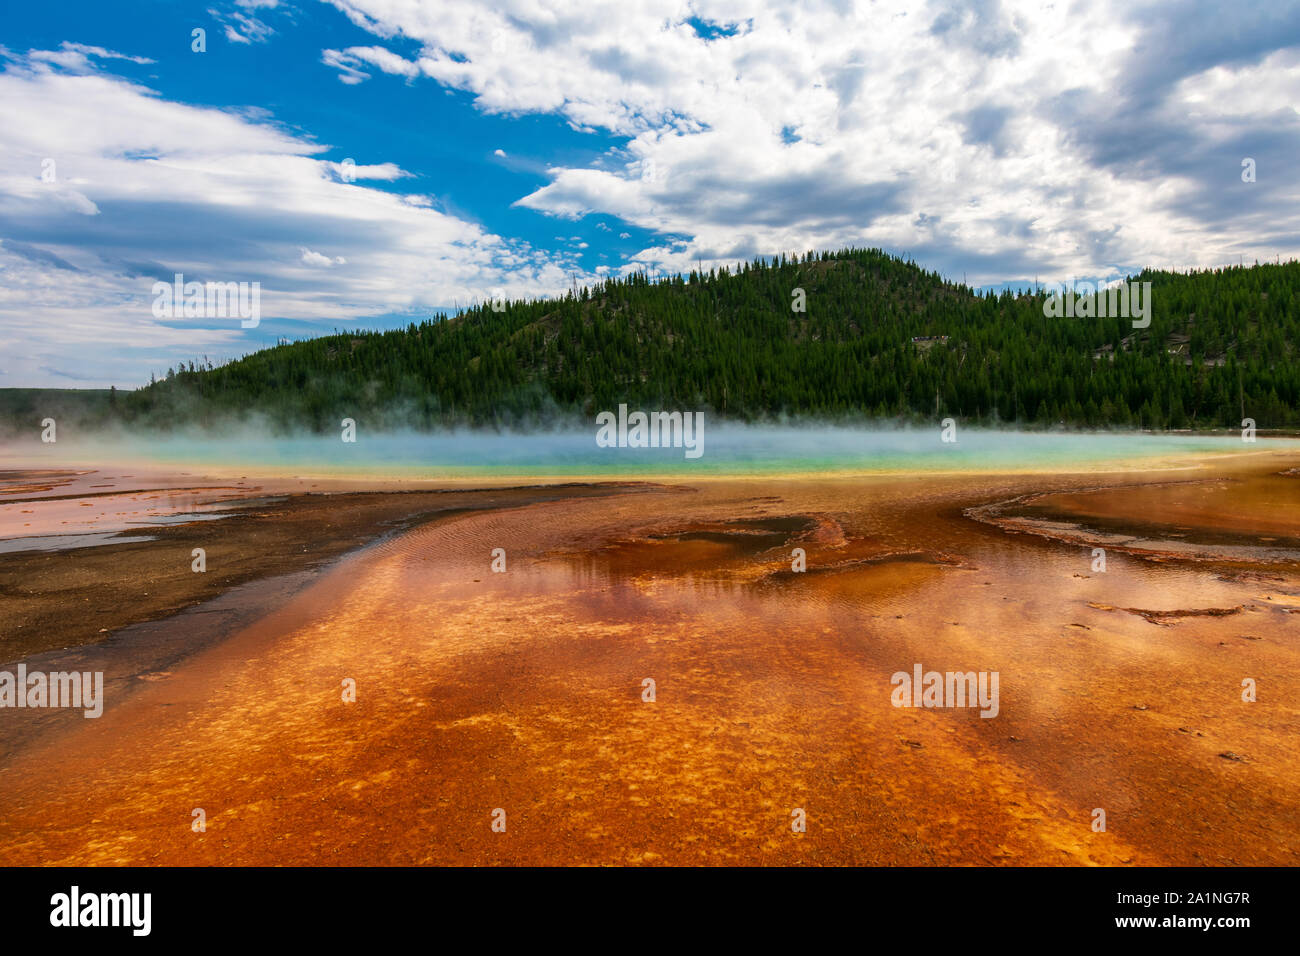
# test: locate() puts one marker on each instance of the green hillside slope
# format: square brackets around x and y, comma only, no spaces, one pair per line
[1221,345]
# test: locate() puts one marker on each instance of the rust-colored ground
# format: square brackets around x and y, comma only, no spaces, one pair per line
[76,595]
[523,691]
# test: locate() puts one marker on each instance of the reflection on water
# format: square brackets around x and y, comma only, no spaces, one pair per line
[59,542]
[1246,518]
[82,517]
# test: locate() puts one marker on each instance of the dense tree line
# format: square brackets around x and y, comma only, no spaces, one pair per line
[23,411]
[1221,346]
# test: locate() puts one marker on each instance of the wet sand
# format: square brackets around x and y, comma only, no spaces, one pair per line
[78,564]
[523,691]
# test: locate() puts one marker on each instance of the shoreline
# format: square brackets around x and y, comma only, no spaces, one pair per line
[273,512]
[136,580]
[152,642]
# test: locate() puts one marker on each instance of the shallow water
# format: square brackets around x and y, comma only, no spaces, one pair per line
[524,690]
[63,542]
[727,450]
[80,516]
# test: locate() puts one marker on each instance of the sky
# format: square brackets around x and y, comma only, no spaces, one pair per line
[369,163]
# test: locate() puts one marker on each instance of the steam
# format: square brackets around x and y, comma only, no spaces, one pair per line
[571,450]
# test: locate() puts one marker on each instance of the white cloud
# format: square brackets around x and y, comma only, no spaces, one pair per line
[245,28]
[312,258]
[354,61]
[77,56]
[348,73]
[144,188]
[943,129]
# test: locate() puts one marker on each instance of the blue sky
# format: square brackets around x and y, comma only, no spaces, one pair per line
[507,147]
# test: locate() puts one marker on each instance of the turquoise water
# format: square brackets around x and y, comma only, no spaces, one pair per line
[726,450]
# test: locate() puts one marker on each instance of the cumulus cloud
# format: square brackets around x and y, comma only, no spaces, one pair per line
[140,188]
[311,258]
[1004,138]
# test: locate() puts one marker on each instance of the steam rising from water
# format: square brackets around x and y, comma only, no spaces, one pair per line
[729,450]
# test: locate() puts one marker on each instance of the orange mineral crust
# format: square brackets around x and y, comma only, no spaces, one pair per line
[525,691]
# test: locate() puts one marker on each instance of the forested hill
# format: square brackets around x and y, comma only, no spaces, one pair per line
[1222,345]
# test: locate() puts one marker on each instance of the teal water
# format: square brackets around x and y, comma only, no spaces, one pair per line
[727,450]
